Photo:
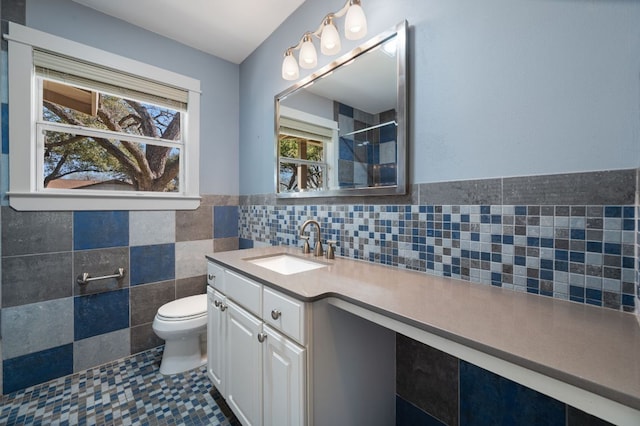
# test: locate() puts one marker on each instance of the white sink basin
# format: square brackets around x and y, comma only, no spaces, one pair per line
[286,264]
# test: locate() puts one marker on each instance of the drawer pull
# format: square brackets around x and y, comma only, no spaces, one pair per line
[275,314]
[261,337]
[211,277]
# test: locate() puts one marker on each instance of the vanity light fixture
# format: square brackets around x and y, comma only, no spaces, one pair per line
[354,29]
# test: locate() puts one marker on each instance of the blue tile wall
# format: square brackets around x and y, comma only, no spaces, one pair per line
[489,399]
[408,414]
[244,243]
[346,149]
[100,229]
[5,128]
[161,269]
[21,372]
[225,221]
[100,313]
[580,253]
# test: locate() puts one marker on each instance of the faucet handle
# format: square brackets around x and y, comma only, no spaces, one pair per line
[330,250]
[306,249]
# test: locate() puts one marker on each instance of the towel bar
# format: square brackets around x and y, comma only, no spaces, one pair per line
[85,278]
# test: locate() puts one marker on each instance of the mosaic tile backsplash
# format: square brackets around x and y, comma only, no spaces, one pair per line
[582,253]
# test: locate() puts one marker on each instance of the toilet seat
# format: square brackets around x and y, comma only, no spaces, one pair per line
[184,309]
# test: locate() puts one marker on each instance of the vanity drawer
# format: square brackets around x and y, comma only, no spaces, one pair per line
[244,291]
[215,276]
[284,313]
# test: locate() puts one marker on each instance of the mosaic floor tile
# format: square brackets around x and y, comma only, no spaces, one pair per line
[126,392]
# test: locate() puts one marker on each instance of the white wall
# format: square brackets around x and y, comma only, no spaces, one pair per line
[498,87]
[219,78]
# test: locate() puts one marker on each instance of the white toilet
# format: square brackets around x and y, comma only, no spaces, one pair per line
[182,324]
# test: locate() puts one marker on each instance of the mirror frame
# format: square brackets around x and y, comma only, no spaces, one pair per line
[402,172]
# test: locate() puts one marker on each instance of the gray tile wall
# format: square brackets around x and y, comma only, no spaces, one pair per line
[39,266]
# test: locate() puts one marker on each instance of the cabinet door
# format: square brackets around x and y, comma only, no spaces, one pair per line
[244,365]
[284,380]
[216,336]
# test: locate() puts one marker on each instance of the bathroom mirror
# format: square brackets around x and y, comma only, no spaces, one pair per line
[342,131]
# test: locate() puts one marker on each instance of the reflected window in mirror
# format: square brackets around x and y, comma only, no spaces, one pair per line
[306,151]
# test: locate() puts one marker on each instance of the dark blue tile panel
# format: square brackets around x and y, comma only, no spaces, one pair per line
[244,243]
[388,174]
[225,221]
[345,149]
[100,313]
[5,128]
[408,414]
[388,133]
[38,367]
[345,110]
[489,399]
[150,264]
[100,229]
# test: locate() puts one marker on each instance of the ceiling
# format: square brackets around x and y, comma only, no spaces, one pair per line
[227,29]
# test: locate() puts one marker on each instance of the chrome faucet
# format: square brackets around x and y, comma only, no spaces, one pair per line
[317,251]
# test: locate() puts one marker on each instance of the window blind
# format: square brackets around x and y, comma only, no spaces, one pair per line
[301,129]
[72,71]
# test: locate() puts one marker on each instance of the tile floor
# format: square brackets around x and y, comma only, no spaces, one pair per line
[126,392]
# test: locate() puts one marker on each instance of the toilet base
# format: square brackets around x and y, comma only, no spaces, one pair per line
[182,355]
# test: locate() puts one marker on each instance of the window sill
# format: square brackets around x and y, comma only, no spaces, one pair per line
[58,201]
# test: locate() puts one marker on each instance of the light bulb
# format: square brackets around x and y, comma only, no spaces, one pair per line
[290,67]
[308,56]
[330,39]
[355,23]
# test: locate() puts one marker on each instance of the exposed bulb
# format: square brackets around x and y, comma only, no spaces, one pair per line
[308,56]
[355,24]
[290,69]
[330,39]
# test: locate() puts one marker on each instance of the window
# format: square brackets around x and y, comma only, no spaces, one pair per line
[90,130]
[305,152]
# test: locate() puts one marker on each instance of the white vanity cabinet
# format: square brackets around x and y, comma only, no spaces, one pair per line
[244,365]
[216,332]
[259,369]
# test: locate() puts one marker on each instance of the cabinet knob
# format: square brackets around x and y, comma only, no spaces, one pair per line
[261,337]
[275,314]
[211,277]
[223,307]
[216,303]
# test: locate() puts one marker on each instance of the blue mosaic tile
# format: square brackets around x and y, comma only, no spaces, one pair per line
[613,211]
[486,398]
[130,391]
[225,221]
[150,264]
[100,313]
[100,229]
[38,367]
[463,241]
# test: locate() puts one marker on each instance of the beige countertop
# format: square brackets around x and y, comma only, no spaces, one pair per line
[592,348]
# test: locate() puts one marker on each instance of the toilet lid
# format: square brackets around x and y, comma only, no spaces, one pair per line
[184,308]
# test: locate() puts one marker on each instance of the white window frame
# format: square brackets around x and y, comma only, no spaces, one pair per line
[24,192]
[330,148]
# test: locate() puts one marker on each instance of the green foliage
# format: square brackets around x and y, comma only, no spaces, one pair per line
[145,167]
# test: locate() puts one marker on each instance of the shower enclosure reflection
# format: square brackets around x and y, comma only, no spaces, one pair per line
[342,131]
